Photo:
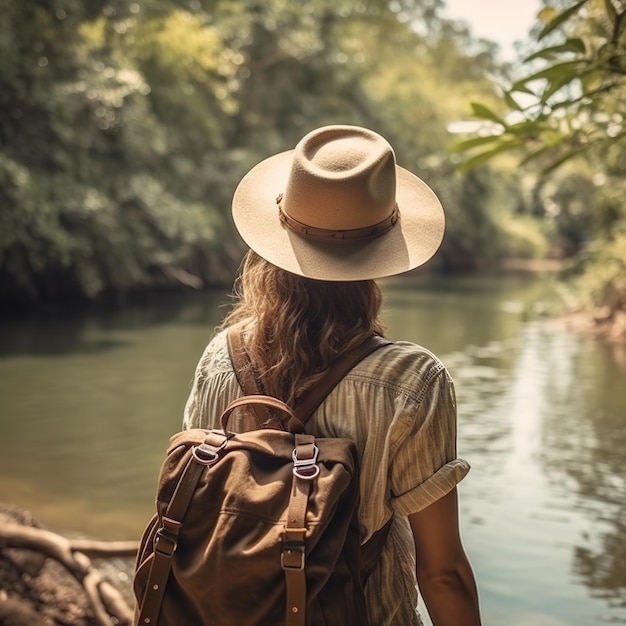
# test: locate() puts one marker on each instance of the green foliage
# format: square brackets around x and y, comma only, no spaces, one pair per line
[603,283]
[575,100]
[91,192]
[125,126]
[566,116]
[525,237]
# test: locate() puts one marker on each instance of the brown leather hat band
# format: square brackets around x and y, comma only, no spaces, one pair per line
[347,235]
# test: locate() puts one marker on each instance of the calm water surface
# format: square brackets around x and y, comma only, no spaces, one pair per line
[87,403]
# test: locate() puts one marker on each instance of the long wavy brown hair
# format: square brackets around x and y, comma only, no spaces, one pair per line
[296,326]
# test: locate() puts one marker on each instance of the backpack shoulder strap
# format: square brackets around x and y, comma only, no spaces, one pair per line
[312,397]
[242,365]
[315,395]
[165,543]
[244,371]
[308,403]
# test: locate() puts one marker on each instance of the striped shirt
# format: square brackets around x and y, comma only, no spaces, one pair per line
[398,406]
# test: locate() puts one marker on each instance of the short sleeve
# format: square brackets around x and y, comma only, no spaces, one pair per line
[425,466]
[214,385]
[191,418]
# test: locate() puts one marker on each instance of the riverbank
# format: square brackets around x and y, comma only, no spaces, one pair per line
[601,323]
[47,578]
[598,323]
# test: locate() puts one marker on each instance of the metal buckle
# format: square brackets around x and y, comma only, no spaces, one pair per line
[290,551]
[307,469]
[207,454]
[165,542]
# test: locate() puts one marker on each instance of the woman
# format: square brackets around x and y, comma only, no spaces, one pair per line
[322,222]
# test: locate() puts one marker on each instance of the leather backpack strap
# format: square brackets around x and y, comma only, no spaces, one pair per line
[312,397]
[166,542]
[315,395]
[293,554]
[308,403]
[244,371]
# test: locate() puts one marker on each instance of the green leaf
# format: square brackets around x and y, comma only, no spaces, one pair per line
[545,150]
[536,154]
[511,102]
[483,112]
[554,86]
[468,144]
[566,157]
[521,88]
[575,45]
[571,69]
[489,154]
[559,19]
[528,127]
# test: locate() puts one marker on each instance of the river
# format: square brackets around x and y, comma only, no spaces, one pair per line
[88,401]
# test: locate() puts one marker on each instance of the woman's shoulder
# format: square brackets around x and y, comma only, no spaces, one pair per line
[215,356]
[402,365]
[406,354]
[409,351]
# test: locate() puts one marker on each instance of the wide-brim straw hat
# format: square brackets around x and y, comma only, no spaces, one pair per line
[338,208]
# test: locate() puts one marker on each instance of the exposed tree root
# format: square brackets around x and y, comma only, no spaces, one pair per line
[46,578]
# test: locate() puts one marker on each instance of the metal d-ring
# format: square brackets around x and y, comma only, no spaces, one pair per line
[207,454]
[307,469]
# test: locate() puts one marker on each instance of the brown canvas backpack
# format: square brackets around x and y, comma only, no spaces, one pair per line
[258,528]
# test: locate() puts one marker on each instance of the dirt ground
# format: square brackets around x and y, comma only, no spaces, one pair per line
[36,590]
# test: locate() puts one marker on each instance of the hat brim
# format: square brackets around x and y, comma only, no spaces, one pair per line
[413,240]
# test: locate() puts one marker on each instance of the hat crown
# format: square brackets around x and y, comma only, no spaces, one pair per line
[341,178]
[338,208]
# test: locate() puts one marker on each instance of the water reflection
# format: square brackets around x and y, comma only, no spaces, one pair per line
[88,331]
[88,402]
[546,503]
[586,448]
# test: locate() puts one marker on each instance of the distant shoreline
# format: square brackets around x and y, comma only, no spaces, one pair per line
[532,265]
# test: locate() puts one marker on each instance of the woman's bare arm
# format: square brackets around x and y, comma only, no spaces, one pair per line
[444,574]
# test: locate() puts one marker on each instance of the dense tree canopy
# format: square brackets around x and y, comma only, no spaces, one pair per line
[125,126]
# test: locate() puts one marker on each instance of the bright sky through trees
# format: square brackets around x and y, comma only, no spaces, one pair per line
[496,20]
